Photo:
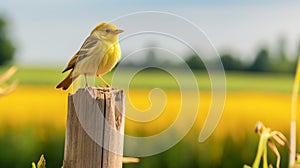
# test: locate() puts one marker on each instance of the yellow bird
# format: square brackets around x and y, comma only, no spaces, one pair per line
[98,55]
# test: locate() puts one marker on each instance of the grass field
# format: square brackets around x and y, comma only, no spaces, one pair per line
[36,112]
[235,81]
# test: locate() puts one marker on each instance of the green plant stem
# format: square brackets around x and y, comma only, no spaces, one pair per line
[262,150]
[265,159]
[294,116]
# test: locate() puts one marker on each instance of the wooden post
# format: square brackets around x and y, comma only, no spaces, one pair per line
[95,128]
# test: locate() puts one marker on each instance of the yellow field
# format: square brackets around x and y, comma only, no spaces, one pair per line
[46,105]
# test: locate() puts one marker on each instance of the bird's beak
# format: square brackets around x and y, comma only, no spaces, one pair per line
[118,31]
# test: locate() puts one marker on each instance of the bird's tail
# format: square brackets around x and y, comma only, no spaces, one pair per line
[65,84]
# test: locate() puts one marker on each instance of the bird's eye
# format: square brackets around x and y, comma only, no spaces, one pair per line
[107,30]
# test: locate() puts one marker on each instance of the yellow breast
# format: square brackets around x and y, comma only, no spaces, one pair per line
[110,59]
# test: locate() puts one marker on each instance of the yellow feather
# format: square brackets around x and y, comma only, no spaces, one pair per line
[99,26]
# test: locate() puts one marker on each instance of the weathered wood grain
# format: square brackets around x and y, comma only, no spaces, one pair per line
[95,128]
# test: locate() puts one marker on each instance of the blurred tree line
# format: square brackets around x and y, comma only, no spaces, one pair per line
[264,61]
[7,49]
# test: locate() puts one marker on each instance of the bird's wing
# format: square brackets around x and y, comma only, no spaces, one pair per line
[89,43]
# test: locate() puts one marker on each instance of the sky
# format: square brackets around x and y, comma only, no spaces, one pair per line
[49,32]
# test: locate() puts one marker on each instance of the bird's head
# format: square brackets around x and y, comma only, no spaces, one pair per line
[107,31]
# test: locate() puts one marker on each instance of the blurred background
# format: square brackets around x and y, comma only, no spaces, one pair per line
[258,43]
